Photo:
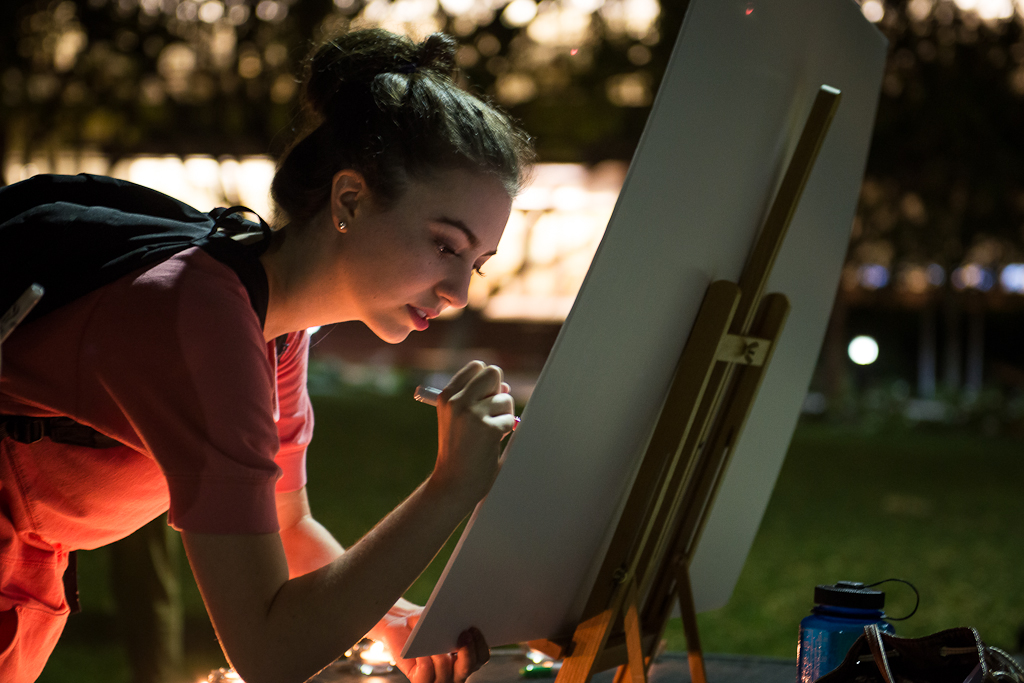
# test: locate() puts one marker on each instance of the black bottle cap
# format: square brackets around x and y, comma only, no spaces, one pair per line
[849,594]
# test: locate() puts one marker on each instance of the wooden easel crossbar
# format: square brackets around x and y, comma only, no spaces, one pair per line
[646,568]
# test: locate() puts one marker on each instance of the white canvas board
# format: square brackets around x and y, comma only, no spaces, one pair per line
[734,98]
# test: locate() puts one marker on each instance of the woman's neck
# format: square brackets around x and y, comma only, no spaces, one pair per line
[301,275]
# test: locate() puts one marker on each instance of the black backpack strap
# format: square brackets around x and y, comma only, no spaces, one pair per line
[241,258]
[230,222]
[74,234]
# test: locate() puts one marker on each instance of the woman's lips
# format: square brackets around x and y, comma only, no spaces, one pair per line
[419,318]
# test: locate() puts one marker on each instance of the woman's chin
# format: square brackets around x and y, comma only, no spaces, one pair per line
[391,335]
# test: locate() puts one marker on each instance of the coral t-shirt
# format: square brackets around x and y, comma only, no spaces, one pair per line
[171,362]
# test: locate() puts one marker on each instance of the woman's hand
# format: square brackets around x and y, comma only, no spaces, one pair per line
[450,668]
[474,412]
[394,629]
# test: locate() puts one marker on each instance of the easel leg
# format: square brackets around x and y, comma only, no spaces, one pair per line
[589,639]
[634,643]
[694,654]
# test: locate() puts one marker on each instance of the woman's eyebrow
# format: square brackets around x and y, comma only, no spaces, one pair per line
[456,223]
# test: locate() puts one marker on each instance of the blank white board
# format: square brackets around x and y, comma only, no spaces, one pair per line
[738,88]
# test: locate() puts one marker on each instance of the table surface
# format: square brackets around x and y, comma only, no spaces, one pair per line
[670,667]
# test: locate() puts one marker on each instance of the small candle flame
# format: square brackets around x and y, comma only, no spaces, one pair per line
[376,654]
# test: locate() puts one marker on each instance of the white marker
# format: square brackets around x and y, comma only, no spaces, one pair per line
[17,312]
[429,395]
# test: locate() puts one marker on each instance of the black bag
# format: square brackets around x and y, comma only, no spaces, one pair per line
[74,234]
[956,655]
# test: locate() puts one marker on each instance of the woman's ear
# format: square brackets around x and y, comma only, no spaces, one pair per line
[348,193]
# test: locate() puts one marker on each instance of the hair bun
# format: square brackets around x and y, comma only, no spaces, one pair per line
[348,64]
[437,53]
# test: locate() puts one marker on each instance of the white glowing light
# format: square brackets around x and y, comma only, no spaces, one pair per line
[254,177]
[311,331]
[456,7]
[202,171]
[211,11]
[1012,278]
[412,11]
[519,13]
[586,5]
[863,350]
[566,26]
[640,16]
[873,11]
[569,198]
[995,9]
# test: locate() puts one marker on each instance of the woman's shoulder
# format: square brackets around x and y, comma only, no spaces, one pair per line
[187,280]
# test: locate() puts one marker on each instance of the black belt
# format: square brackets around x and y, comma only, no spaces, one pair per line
[24,429]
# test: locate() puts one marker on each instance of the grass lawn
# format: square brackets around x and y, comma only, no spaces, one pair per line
[940,509]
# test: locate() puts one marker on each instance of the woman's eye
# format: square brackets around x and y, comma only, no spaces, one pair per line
[443,248]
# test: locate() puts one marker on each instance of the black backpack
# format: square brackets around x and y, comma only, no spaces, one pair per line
[74,234]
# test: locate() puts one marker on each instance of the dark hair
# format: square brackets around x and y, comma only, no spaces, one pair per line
[386,107]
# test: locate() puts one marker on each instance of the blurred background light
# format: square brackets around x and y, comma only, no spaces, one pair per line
[519,13]
[863,350]
[1012,278]
[873,276]
[972,276]
[936,274]
[873,10]
[554,229]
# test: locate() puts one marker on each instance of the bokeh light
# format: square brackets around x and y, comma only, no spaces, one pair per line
[863,350]
[972,276]
[873,276]
[873,10]
[1012,278]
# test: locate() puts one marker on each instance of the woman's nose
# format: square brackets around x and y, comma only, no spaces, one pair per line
[455,288]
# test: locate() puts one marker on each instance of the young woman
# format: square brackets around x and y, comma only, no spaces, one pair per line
[395,192]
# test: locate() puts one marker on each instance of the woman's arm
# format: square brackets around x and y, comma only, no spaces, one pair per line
[307,544]
[279,629]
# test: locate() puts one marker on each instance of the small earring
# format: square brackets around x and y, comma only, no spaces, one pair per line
[342,227]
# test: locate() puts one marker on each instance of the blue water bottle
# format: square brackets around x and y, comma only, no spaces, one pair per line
[839,616]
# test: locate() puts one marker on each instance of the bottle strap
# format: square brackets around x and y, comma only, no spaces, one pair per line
[874,638]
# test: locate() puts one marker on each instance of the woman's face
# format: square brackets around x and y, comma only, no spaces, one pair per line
[404,264]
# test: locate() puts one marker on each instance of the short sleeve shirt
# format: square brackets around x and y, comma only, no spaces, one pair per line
[171,362]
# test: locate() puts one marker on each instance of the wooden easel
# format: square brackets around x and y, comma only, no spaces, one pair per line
[646,568]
